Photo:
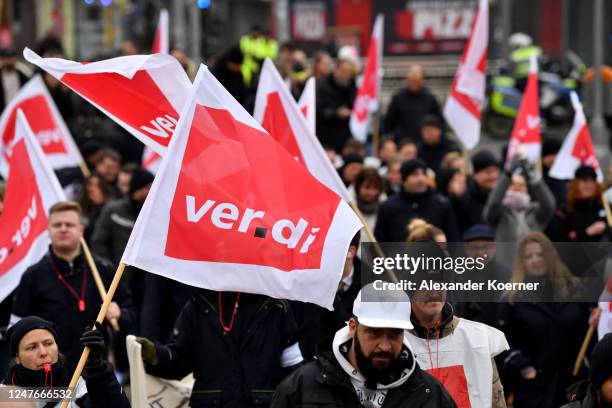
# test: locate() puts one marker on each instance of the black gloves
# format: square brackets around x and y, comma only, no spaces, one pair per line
[94,339]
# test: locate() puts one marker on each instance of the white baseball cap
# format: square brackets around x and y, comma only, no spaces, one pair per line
[383,308]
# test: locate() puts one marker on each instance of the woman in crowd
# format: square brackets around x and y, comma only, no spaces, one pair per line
[544,328]
[584,218]
[95,194]
[38,363]
[368,192]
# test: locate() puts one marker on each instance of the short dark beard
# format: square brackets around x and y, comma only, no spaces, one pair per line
[372,374]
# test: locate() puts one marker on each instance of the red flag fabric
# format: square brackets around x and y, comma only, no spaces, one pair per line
[46,122]
[161,42]
[280,116]
[142,93]
[308,105]
[31,188]
[368,93]
[463,105]
[526,138]
[577,149]
[230,209]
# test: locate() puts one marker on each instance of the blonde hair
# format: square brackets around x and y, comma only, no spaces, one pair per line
[420,230]
[559,274]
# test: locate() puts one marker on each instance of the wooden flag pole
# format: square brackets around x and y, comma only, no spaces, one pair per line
[84,169]
[373,239]
[376,133]
[606,206]
[585,344]
[96,275]
[103,309]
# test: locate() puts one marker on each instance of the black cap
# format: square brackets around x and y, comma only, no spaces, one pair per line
[16,332]
[483,159]
[140,178]
[585,172]
[479,231]
[601,361]
[410,166]
[431,120]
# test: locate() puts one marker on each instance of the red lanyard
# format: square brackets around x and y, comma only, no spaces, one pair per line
[81,299]
[227,329]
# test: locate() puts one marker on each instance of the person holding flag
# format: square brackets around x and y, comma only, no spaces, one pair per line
[583,219]
[38,362]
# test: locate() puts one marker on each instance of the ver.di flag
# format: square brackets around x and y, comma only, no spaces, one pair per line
[526,139]
[231,210]
[142,93]
[368,93]
[31,188]
[280,116]
[161,41]
[577,149]
[308,105]
[46,122]
[463,105]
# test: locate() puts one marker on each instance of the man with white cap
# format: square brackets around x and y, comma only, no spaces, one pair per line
[371,364]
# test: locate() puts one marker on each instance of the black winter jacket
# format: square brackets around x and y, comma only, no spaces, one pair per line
[546,336]
[162,303]
[324,384]
[332,130]
[396,213]
[407,110]
[238,369]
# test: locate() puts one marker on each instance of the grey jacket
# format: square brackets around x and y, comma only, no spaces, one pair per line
[512,225]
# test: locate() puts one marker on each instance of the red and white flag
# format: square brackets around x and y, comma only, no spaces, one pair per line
[604,326]
[161,42]
[368,93]
[280,116]
[308,104]
[231,210]
[577,149]
[142,93]
[463,105]
[46,122]
[150,160]
[526,138]
[31,188]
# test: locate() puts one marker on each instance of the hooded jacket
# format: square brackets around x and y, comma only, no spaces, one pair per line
[331,381]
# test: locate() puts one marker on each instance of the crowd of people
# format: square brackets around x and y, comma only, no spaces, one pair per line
[248,350]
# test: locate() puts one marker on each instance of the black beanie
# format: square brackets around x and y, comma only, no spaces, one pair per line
[140,178]
[585,172]
[601,361]
[410,166]
[483,159]
[431,120]
[16,332]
